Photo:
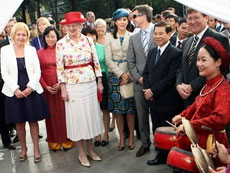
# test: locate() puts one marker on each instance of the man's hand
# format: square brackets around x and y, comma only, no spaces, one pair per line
[188,88]
[140,80]
[148,94]
[182,90]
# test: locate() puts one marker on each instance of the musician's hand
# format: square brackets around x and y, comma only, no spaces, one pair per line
[180,130]
[176,119]
[218,170]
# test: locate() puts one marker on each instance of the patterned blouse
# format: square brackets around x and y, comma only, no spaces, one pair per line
[69,53]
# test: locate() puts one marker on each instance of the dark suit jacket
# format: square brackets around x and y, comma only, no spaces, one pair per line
[161,77]
[3,43]
[190,74]
[173,38]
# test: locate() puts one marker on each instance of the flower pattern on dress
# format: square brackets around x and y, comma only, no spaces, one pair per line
[69,53]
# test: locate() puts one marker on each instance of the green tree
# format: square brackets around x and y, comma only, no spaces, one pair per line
[101,8]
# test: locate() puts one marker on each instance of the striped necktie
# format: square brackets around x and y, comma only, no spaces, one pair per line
[192,50]
[145,42]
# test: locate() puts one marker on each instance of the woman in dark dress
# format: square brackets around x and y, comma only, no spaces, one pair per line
[24,101]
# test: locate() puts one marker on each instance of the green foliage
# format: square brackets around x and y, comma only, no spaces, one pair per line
[102,8]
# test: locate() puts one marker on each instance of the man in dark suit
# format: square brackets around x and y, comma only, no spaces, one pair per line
[3,126]
[188,82]
[139,45]
[183,33]
[172,20]
[159,82]
[212,22]
[7,29]
[219,26]
[90,20]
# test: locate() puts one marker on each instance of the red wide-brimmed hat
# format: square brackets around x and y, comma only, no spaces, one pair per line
[73,17]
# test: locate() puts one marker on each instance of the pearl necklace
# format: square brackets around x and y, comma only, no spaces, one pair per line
[202,95]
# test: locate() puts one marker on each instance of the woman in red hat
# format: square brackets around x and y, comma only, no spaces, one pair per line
[211,107]
[78,69]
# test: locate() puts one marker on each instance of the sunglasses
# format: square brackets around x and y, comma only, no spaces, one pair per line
[136,15]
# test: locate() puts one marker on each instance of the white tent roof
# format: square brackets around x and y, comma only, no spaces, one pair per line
[7,10]
[219,9]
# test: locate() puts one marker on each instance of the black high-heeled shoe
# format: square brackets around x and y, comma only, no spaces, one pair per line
[131,147]
[97,143]
[66,149]
[104,143]
[121,148]
[111,129]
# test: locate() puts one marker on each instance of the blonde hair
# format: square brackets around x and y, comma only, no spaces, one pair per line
[100,21]
[42,19]
[20,26]
[60,29]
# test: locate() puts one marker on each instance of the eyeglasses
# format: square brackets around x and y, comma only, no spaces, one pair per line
[73,25]
[136,15]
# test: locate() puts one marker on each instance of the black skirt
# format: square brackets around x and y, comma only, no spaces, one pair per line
[31,109]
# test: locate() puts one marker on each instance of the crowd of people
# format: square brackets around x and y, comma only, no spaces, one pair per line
[164,65]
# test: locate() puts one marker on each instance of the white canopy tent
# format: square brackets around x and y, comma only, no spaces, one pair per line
[219,9]
[7,10]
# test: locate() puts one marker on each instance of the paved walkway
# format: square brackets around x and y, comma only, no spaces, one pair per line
[113,161]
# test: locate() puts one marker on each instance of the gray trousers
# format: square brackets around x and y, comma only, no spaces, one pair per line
[143,117]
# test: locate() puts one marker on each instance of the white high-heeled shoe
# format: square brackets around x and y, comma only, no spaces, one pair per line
[85,164]
[95,158]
